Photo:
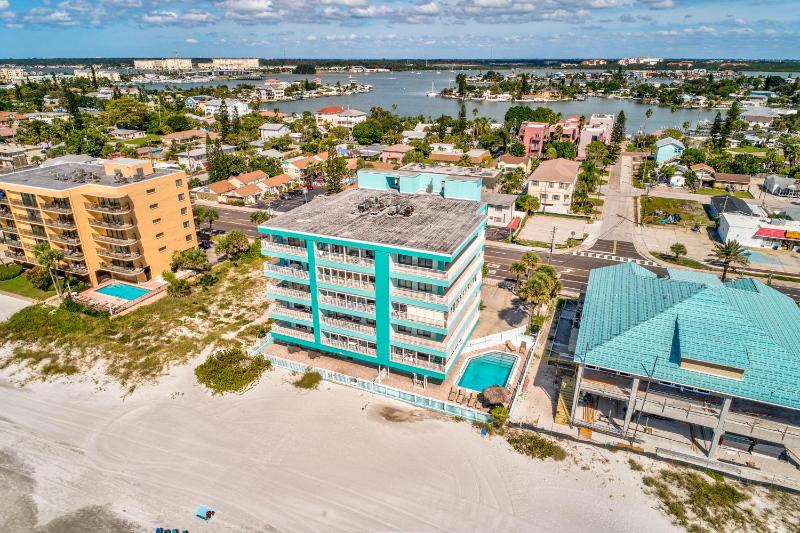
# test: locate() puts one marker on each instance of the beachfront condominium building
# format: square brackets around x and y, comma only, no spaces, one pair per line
[234,63]
[598,129]
[168,64]
[118,218]
[385,277]
[717,360]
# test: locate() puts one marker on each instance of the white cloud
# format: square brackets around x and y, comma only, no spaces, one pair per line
[193,17]
[192,40]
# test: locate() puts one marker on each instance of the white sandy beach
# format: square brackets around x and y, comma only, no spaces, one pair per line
[279,459]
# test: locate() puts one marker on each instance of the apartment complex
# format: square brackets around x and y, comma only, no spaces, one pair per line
[599,128]
[117,218]
[534,136]
[718,360]
[384,277]
[169,64]
[234,63]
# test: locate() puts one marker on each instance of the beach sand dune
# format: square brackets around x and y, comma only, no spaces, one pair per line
[282,459]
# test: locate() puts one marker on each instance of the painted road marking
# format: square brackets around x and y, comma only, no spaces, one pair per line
[610,257]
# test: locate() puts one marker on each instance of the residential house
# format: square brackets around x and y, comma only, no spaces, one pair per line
[211,107]
[337,116]
[501,208]
[553,182]
[705,174]
[732,182]
[781,186]
[296,166]
[385,278]
[248,195]
[270,130]
[125,134]
[180,137]
[690,349]
[273,90]
[14,156]
[277,184]
[195,102]
[196,158]
[395,153]
[448,153]
[599,128]
[248,178]
[668,150]
[509,163]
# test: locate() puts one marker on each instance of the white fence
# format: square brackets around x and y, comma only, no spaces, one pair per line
[516,335]
[382,390]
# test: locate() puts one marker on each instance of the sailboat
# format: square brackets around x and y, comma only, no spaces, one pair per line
[432,93]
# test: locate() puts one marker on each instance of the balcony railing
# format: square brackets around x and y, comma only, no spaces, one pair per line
[419,341]
[419,295]
[346,258]
[419,363]
[120,269]
[352,346]
[430,321]
[114,240]
[30,219]
[20,203]
[289,292]
[64,239]
[62,224]
[19,256]
[347,304]
[113,209]
[75,256]
[77,269]
[110,224]
[289,332]
[56,208]
[270,246]
[347,324]
[448,274]
[347,282]
[4,200]
[291,313]
[114,254]
[7,215]
[287,271]
[9,229]
[29,233]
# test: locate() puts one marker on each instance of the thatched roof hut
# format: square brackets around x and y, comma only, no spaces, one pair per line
[496,395]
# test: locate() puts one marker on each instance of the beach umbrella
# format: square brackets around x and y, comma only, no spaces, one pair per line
[496,395]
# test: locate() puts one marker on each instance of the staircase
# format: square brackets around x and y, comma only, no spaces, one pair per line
[564,403]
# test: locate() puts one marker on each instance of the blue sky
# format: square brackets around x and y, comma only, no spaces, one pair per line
[400,28]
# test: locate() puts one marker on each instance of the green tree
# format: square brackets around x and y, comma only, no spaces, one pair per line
[519,269]
[728,254]
[233,245]
[368,132]
[126,112]
[531,204]
[49,259]
[210,216]
[678,249]
[516,149]
[530,260]
[716,132]
[259,217]
[335,169]
[86,141]
[461,82]
[191,259]
[597,152]
[690,178]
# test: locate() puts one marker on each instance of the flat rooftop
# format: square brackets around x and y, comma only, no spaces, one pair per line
[69,175]
[473,173]
[432,224]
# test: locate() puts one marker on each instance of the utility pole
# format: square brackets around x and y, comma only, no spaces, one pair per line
[552,245]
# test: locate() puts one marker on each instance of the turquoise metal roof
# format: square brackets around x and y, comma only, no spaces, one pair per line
[633,320]
[706,278]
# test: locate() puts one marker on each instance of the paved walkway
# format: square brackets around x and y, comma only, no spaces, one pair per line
[11,304]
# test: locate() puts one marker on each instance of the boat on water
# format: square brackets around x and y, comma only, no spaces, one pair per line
[432,93]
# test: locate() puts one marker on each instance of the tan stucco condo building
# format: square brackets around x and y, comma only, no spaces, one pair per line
[118,218]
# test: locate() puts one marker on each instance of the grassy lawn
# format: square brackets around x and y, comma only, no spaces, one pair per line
[140,346]
[141,141]
[20,285]
[748,150]
[690,211]
[683,261]
[713,191]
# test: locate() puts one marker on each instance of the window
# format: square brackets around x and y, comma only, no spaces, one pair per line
[404,259]
[178,183]
[560,185]
[403,329]
[151,191]
[183,210]
[556,197]
[534,183]
[543,196]
[162,249]
[404,283]
[153,206]
[189,237]
[185,224]
[550,185]
[160,235]
[425,263]
[156,221]
[181,197]
[427,287]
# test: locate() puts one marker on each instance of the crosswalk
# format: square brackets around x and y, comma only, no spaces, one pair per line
[610,257]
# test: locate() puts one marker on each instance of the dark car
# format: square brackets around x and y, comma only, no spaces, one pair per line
[205,245]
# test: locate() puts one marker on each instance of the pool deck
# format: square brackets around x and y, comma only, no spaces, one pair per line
[438,391]
[104,301]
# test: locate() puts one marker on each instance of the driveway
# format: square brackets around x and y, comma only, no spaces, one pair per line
[10,305]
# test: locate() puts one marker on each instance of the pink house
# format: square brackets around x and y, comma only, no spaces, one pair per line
[534,135]
[599,128]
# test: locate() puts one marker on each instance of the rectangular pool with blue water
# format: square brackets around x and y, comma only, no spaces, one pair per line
[488,370]
[123,291]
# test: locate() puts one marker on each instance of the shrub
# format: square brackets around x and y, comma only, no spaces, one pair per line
[207,279]
[39,278]
[191,259]
[230,370]
[535,446]
[499,416]
[177,287]
[635,465]
[10,271]
[309,380]
[71,305]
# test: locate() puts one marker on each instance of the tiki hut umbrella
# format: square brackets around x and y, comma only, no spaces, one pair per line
[496,395]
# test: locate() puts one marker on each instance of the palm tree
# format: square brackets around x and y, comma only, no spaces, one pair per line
[531,204]
[728,254]
[49,259]
[678,249]
[519,269]
[530,260]
[210,216]
[259,217]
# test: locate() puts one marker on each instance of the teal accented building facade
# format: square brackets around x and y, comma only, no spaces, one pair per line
[463,183]
[386,278]
[722,357]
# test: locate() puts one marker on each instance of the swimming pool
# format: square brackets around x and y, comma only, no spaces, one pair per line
[493,368]
[123,291]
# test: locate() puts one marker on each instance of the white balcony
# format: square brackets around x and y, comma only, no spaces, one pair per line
[420,295]
[446,275]
[289,292]
[429,321]
[287,271]
[347,304]
[296,333]
[270,246]
[419,363]
[346,259]
[348,325]
[351,346]
[299,314]
[346,282]
[419,341]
